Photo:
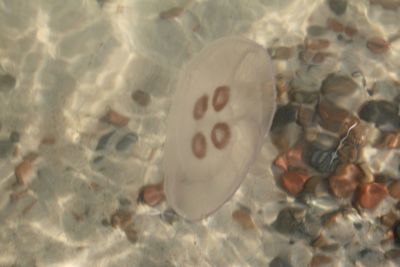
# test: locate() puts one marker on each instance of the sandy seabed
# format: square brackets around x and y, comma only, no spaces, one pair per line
[64,64]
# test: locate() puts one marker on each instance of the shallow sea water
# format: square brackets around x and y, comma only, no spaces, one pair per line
[65,64]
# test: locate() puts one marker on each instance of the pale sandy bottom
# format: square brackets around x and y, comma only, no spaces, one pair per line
[74,60]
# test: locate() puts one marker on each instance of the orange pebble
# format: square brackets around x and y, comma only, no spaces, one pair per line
[115,118]
[152,195]
[317,44]
[371,194]
[334,25]
[293,181]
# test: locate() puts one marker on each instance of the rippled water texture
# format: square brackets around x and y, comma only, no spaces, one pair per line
[85,89]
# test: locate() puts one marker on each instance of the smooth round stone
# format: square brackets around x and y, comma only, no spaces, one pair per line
[126,141]
[142,98]
[345,180]
[338,85]
[321,159]
[378,45]
[281,52]
[380,112]
[338,6]
[7,83]
[371,194]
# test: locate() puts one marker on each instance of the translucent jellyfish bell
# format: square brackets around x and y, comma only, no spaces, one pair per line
[222,109]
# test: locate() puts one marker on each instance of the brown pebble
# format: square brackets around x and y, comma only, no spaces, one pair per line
[48,140]
[345,180]
[319,241]
[394,190]
[393,254]
[320,260]
[115,118]
[331,217]
[335,119]
[292,158]
[389,219]
[350,31]
[317,44]
[25,168]
[371,194]
[131,233]
[243,217]
[152,195]
[338,85]
[171,13]
[141,98]
[378,45]
[334,25]
[320,57]
[390,140]
[121,219]
[306,116]
[293,181]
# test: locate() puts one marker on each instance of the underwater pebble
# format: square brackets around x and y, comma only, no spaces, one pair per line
[316,186]
[14,137]
[171,13]
[243,218]
[350,31]
[291,158]
[316,30]
[126,141]
[321,159]
[279,262]
[338,85]
[142,98]
[392,254]
[396,232]
[389,219]
[121,218]
[131,233]
[6,147]
[306,116]
[284,115]
[338,6]
[48,140]
[169,216]
[394,189]
[317,44]
[7,83]
[334,25]
[371,257]
[102,143]
[371,194]
[380,112]
[24,169]
[345,180]
[348,153]
[320,260]
[281,52]
[293,181]
[303,97]
[335,119]
[152,195]
[114,118]
[378,45]
[390,140]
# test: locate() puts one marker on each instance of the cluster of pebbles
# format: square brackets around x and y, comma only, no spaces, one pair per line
[339,202]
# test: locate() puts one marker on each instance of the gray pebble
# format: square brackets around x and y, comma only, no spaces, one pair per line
[126,141]
[316,30]
[283,116]
[279,262]
[304,97]
[380,112]
[322,160]
[14,137]
[6,148]
[7,83]
[338,6]
[142,98]
[103,140]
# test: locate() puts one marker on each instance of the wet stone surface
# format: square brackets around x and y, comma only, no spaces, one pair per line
[338,85]
[142,98]
[126,141]
[283,116]
[380,112]
[279,262]
[338,6]
[103,140]
[322,159]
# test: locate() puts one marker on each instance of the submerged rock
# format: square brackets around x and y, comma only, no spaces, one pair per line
[380,112]
[338,6]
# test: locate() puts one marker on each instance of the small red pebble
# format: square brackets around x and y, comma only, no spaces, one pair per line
[371,194]
[115,118]
[293,181]
[334,25]
[378,45]
[152,195]
[350,31]
[293,157]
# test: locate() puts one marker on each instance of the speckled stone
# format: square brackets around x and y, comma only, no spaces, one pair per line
[338,6]
[380,112]
[7,83]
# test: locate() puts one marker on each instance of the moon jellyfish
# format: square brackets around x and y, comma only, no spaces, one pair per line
[220,113]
